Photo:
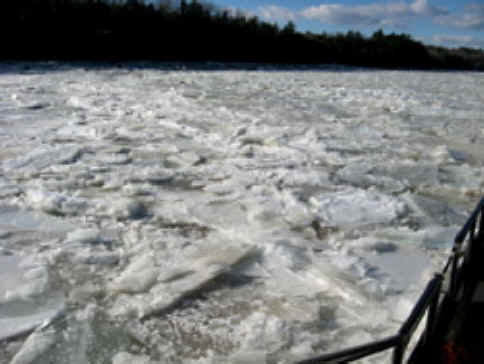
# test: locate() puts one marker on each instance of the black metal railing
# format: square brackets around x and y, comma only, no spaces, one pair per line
[438,302]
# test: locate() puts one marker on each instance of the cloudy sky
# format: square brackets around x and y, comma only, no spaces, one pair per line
[451,23]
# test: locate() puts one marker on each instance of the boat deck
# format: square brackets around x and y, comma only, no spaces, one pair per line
[464,340]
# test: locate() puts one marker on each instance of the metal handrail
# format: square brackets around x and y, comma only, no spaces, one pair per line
[356,353]
[461,235]
[434,301]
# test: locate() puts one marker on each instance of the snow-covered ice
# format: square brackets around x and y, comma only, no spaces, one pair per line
[149,215]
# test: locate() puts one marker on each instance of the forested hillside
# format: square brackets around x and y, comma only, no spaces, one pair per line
[194,31]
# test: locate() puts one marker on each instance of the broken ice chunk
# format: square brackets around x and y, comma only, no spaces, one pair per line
[133,190]
[44,157]
[181,160]
[265,333]
[126,358]
[204,266]
[14,219]
[26,297]
[160,176]
[115,159]
[249,357]
[170,285]
[356,207]
[139,276]
[84,236]
[55,203]
[36,345]
[128,209]
[9,190]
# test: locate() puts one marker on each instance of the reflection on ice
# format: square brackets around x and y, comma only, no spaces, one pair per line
[225,217]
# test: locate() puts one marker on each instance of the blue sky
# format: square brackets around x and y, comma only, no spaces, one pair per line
[452,23]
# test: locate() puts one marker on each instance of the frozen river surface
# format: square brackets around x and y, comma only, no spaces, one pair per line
[157,216]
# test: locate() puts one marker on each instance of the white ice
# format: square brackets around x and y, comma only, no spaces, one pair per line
[151,215]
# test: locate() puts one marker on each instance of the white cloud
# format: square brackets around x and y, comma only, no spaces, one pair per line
[274,13]
[452,39]
[472,18]
[361,15]
[393,13]
[234,11]
[422,7]
[457,41]
[398,13]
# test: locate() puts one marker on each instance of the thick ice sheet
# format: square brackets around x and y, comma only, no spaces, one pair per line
[27,297]
[225,216]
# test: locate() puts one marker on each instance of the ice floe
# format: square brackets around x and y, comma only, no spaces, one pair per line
[356,207]
[55,203]
[28,297]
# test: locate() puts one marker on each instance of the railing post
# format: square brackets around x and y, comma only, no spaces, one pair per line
[472,230]
[399,351]
[432,313]
[472,241]
[453,272]
[481,223]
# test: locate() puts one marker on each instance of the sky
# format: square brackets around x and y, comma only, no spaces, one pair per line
[450,23]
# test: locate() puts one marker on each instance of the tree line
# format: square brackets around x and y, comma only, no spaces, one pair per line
[119,30]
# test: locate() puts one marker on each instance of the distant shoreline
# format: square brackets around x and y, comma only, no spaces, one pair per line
[27,65]
[195,32]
